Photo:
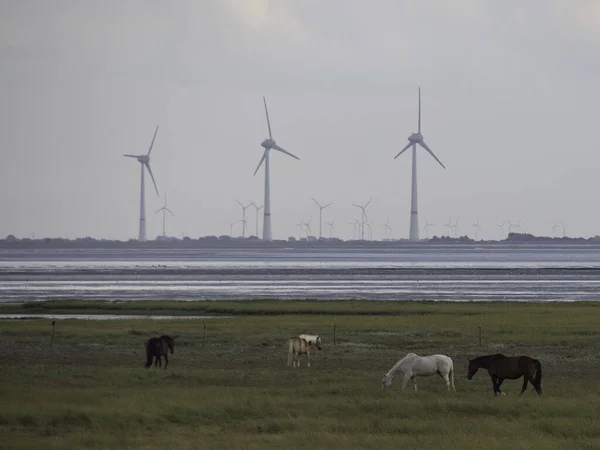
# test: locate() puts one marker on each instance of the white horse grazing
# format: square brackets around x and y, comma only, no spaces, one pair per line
[413,365]
[301,346]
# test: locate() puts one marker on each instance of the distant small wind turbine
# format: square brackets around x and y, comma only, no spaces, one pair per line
[355,224]
[516,226]
[244,220]
[331,227]
[144,161]
[477,228]
[564,228]
[231,225]
[555,227]
[268,144]
[165,210]
[307,226]
[449,226]
[301,226]
[426,227]
[387,228]
[363,217]
[370,235]
[321,208]
[257,208]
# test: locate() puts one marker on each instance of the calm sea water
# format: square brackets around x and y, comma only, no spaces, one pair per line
[452,272]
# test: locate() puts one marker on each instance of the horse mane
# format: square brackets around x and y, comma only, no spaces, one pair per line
[394,369]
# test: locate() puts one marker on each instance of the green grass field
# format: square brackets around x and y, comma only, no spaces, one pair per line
[228,386]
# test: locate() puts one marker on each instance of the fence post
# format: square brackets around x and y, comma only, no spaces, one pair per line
[334,335]
[52,339]
[480,336]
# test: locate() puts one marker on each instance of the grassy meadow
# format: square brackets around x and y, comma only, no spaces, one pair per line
[227,385]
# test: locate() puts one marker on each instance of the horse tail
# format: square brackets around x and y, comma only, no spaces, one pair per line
[290,351]
[452,377]
[538,373]
[148,354]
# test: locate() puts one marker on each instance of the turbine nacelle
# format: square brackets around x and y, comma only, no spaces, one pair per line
[268,143]
[415,138]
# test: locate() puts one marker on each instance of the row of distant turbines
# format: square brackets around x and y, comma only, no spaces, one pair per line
[414,140]
[362,227]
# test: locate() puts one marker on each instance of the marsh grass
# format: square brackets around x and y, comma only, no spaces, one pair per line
[90,390]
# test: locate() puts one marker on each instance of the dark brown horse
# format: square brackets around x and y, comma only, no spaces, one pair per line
[157,347]
[502,367]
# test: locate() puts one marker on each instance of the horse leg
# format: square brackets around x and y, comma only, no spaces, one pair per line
[414,380]
[494,383]
[405,381]
[166,361]
[525,379]
[447,380]
[500,381]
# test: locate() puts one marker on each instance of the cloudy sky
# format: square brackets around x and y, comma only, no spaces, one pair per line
[511,103]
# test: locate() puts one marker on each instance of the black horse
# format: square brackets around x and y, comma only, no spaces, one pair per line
[157,347]
[501,367]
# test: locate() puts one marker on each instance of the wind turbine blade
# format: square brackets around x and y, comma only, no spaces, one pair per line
[159,210]
[277,147]
[368,202]
[409,145]
[328,204]
[424,145]
[261,160]
[419,109]
[132,156]
[152,143]
[152,176]
[318,204]
[268,121]
[172,213]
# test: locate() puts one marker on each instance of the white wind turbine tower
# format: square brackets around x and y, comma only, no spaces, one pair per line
[564,228]
[426,227]
[413,140]
[331,227]
[449,226]
[477,228]
[244,220]
[268,144]
[364,219]
[165,210]
[144,161]
[554,228]
[321,208]
[257,208]
[301,226]
[368,224]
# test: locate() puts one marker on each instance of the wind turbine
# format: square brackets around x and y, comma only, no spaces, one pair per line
[307,227]
[449,226]
[387,228]
[321,208]
[363,218]
[564,228]
[477,228]
[455,227]
[368,224]
[355,224]
[516,226]
[554,228]
[427,225]
[244,220]
[413,140]
[331,227]
[258,208]
[301,226]
[231,224]
[500,226]
[268,144]
[144,161]
[165,210]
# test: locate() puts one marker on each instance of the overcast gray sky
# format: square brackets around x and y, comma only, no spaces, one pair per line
[510,89]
